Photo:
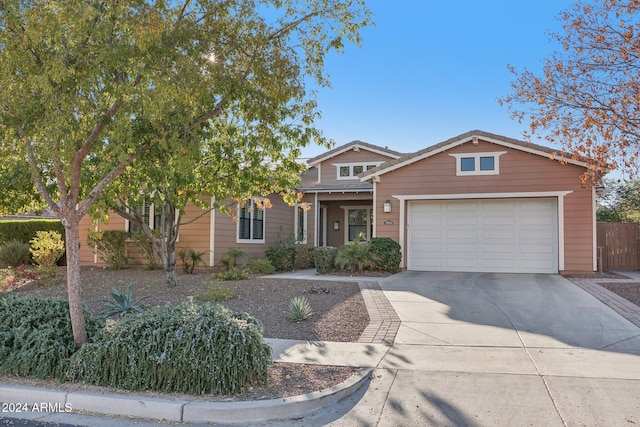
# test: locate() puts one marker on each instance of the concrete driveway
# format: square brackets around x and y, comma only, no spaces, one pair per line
[498,349]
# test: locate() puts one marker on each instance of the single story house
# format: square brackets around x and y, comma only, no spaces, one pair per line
[476,202]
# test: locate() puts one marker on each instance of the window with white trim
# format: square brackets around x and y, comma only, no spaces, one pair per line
[250,223]
[153,216]
[300,224]
[359,222]
[352,170]
[478,163]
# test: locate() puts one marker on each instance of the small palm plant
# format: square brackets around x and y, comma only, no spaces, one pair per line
[122,304]
[357,256]
[190,260]
[299,309]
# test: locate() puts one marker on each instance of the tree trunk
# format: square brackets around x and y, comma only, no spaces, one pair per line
[171,274]
[72,237]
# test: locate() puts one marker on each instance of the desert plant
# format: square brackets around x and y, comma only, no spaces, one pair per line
[215,293]
[14,252]
[46,249]
[232,258]
[191,348]
[122,304]
[355,256]
[36,338]
[387,254]
[324,258]
[299,309]
[261,266]
[190,259]
[232,274]
[111,246]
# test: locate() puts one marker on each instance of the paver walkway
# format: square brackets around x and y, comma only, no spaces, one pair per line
[626,309]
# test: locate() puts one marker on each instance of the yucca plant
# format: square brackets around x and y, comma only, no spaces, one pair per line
[122,304]
[299,309]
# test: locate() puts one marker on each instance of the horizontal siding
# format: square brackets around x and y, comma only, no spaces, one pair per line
[519,172]
[194,235]
[329,173]
[278,225]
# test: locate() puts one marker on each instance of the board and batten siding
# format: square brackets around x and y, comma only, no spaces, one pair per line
[519,172]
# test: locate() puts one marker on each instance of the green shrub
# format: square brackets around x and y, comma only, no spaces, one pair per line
[36,338]
[283,258]
[233,258]
[190,260]
[355,256]
[261,266]
[233,274]
[215,293]
[112,247]
[14,253]
[303,257]
[190,348]
[324,258]
[299,309]
[122,304]
[46,249]
[387,254]
[25,230]
[154,262]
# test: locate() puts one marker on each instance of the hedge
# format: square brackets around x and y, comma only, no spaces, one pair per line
[25,230]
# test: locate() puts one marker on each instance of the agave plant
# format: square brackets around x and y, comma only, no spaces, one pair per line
[299,309]
[122,304]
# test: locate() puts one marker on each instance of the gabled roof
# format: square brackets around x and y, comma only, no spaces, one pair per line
[357,145]
[462,139]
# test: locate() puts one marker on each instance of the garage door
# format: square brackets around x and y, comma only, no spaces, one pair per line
[493,235]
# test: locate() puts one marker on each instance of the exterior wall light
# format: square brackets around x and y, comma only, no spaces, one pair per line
[336,225]
[387,206]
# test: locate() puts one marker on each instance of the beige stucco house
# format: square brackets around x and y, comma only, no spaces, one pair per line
[476,202]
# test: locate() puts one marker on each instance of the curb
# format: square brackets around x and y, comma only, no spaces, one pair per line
[29,399]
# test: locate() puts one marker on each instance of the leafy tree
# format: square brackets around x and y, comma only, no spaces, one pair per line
[587,98]
[619,202]
[90,91]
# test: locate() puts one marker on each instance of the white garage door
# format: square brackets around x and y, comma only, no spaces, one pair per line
[493,235]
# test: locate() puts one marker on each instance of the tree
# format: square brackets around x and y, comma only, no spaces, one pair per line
[588,96]
[619,202]
[88,90]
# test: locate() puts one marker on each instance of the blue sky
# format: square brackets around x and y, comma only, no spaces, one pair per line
[430,70]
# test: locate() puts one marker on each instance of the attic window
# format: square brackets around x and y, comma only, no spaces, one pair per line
[352,170]
[478,163]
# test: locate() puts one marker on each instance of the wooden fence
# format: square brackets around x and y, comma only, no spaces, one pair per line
[618,246]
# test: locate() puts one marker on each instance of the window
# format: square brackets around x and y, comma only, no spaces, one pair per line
[487,163]
[359,223]
[250,223]
[478,163]
[300,224]
[467,164]
[153,216]
[352,170]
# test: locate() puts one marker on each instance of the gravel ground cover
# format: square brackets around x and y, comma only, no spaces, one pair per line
[339,315]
